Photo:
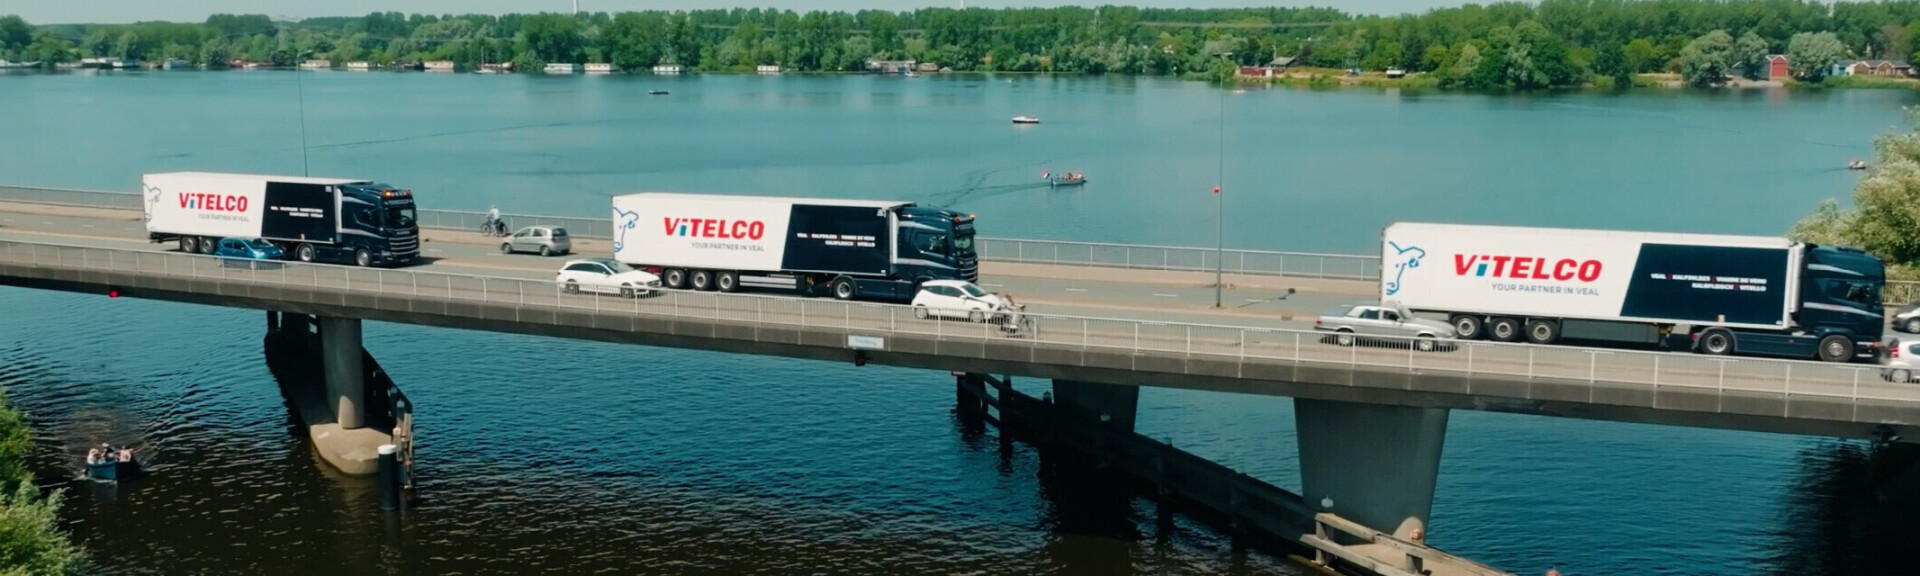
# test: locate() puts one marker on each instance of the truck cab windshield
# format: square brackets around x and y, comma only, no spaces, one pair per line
[399,217]
[1858,292]
[963,244]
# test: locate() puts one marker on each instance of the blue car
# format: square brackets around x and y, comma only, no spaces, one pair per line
[247,249]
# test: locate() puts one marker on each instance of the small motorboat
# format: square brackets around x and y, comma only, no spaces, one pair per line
[1857,165]
[1026,119]
[657,92]
[1068,179]
[111,464]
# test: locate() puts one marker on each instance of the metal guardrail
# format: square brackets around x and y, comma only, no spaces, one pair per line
[1134,256]
[1247,348]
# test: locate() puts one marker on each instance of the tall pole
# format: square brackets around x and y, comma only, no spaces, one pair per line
[1219,202]
[300,85]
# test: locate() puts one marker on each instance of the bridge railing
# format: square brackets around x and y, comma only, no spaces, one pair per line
[1134,256]
[1091,341]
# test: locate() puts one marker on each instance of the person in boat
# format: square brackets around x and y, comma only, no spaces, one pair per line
[126,454]
[93,456]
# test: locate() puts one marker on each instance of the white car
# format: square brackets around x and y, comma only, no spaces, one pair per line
[605,275]
[955,299]
[1901,362]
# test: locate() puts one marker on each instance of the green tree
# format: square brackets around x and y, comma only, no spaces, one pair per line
[1885,219]
[1810,54]
[1704,62]
[31,542]
[1749,55]
[1641,55]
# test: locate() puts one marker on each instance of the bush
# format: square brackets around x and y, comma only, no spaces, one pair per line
[31,543]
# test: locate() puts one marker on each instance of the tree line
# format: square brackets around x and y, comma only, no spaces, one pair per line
[1503,45]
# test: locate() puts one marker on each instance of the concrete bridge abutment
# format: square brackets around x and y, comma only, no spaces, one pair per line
[1374,464]
[324,378]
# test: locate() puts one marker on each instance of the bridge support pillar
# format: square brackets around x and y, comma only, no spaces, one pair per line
[1376,464]
[1111,405]
[346,384]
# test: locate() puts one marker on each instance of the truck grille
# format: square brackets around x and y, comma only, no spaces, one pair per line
[405,244]
[970,270]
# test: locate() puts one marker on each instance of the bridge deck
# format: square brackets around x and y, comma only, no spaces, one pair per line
[1794,397]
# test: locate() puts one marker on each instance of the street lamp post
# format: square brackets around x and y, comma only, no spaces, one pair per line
[1219,203]
[300,85]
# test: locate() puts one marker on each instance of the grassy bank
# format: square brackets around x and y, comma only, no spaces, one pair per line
[31,542]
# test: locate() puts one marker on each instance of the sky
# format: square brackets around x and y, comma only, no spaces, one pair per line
[120,11]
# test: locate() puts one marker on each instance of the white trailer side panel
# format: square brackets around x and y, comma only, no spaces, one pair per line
[203,205]
[1589,274]
[717,232]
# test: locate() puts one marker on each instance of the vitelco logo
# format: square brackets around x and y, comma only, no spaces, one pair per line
[715,228]
[1526,267]
[213,202]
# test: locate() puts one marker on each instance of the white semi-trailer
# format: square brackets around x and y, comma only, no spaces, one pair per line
[1732,294]
[360,221]
[851,248]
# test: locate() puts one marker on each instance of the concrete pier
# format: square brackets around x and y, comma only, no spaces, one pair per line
[346,384]
[1375,464]
[324,377]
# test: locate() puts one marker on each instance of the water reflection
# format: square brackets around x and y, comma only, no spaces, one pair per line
[1853,509]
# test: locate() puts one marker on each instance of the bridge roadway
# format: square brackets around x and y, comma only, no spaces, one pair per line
[1255,352]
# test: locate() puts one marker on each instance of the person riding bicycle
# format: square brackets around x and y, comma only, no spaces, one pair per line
[493,218]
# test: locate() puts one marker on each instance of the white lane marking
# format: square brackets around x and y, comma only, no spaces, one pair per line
[6,219]
[1167,295]
[126,227]
[46,222]
[86,225]
[435,250]
[1076,289]
[995,285]
[1255,300]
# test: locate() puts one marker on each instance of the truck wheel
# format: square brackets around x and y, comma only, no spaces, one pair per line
[362,257]
[1504,329]
[207,245]
[1543,331]
[1716,342]
[1467,327]
[1836,348]
[304,253]
[843,288]
[675,278]
[702,280]
[188,245]
[728,281]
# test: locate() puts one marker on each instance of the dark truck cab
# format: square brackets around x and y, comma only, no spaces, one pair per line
[1840,296]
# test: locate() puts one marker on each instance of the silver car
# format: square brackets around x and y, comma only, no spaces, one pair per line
[547,240]
[1907,318]
[1395,322]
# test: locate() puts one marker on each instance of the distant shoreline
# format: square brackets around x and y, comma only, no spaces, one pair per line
[1320,78]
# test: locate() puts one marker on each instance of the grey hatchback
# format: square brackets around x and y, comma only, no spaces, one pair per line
[547,240]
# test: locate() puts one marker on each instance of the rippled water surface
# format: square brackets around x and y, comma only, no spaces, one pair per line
[553,456]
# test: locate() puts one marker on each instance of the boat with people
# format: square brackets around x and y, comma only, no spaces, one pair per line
[1857,165]
[109,463]
[1068,179]
[1026,119]
[5,65]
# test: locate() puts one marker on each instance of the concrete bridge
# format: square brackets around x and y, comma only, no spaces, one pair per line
[1371,419]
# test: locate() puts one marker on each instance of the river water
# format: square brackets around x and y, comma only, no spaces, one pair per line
[555,456]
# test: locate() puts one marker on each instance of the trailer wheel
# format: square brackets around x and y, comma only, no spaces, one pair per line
[207,245]
[843,288]
[188,245]
[1836,348]
[1543,331]
[304,253]
[702,280]
[1716,342]
[729,281]
[675,278]
[1504,329]
[362,257]
[1467,326]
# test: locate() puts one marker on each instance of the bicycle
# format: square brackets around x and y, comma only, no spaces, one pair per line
[495,228]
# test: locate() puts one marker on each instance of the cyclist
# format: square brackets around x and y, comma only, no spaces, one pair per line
[494,225]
